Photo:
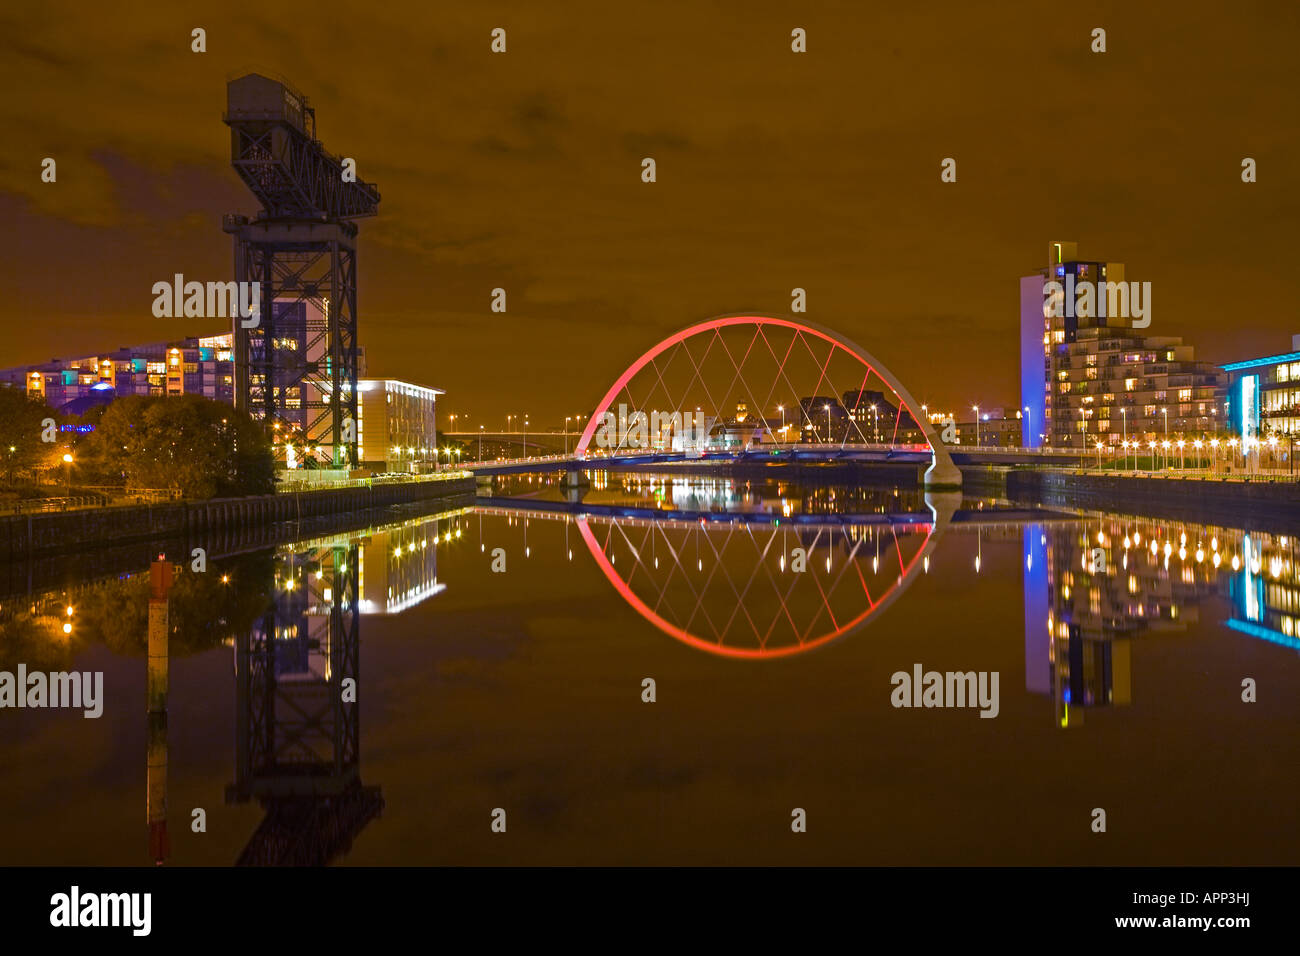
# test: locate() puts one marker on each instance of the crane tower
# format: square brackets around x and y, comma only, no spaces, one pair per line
[296,368]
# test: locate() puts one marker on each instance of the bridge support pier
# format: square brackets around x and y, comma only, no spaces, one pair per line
[942,473]
[575,478]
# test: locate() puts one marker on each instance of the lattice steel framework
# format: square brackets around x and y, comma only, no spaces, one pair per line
[296,736]
[296,369]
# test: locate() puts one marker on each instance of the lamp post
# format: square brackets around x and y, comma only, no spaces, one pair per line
[875,425]
[781,409]
[67,461]
[1029,423]
[827,406]
[525,436]
[480,443]
[977,425]
[1123,416]
[566,434]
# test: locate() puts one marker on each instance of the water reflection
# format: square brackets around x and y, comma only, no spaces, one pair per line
[1093,588]
[708,563]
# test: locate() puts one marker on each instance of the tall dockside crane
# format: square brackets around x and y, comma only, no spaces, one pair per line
[296,369]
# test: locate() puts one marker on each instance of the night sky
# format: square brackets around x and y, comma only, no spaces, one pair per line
[775,170]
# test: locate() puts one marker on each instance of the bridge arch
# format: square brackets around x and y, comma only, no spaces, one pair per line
[942,471]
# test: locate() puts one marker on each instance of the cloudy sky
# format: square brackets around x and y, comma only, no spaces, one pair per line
[775,170]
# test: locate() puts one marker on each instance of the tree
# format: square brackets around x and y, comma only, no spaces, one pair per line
[21,448]
[186,442]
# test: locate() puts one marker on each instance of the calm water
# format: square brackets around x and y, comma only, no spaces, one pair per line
[522,689]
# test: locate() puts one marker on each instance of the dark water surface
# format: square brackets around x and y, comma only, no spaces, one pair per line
[521,689]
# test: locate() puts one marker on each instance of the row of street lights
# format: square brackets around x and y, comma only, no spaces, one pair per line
[1198,446]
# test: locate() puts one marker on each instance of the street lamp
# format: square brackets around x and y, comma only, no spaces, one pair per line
[525,436]
[480,443]
[977,425]
[67,461]
[827,406]
[875,425]
[1029,422]
[781,409]
[1123,414]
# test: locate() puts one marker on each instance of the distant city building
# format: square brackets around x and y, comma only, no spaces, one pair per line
[396,431]
[1264,394]
[875,419]
[1090,378]
[191,366]
[822,418]
[996,428]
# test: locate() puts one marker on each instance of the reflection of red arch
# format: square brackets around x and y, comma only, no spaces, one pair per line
[941,461]
[759,653]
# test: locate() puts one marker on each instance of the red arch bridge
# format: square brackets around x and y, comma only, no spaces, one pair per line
[747,388]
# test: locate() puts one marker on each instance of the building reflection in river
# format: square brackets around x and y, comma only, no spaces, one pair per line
[1082,614]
